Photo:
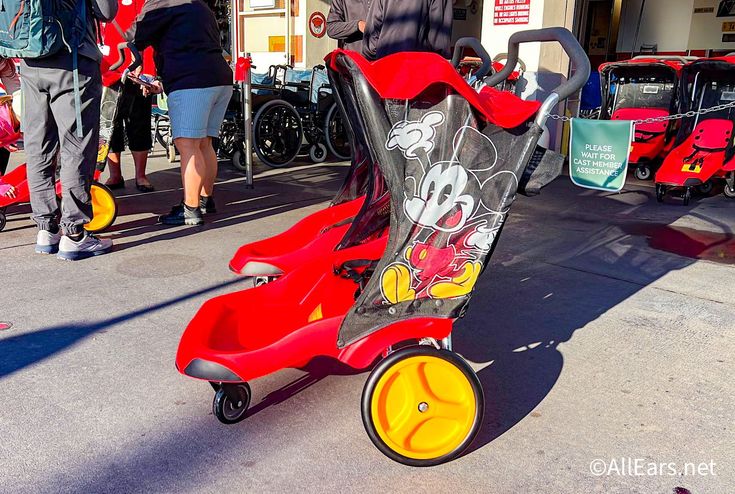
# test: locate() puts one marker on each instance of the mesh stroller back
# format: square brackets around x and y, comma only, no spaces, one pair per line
[452,178]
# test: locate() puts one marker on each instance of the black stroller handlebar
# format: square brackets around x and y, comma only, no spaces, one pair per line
[137,58]
[570,45]
[474,43]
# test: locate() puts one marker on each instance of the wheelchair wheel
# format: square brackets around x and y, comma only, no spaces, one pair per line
[336,134]
[104,208]
[422,406]
[277,133]
[318,153]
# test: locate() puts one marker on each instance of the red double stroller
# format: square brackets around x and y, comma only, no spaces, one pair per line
[639,89]
[704,144]
[452,159]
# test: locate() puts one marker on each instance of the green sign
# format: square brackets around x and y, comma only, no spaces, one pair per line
[598,153]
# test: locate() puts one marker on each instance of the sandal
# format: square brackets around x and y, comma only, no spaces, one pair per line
[144,188]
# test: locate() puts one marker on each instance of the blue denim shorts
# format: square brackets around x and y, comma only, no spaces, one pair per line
[197,113]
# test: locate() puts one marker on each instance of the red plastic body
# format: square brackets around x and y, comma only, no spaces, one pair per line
[700,157]
[650,138]
[297,319]
[314,236]
[19,180]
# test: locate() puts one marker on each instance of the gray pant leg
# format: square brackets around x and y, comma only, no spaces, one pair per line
[41,145]
[78,156]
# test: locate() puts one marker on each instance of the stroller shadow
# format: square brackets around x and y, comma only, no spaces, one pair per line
[23,350]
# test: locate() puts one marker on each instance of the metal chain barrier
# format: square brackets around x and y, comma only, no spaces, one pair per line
[676,116]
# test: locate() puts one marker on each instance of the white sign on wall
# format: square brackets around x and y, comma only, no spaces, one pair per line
[262,4]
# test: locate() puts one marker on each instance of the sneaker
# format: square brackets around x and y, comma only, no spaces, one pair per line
[206,205]
[47,242]
[181,215]
[88,246]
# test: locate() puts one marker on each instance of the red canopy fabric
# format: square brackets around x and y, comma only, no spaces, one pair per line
[127,12]
[406,75]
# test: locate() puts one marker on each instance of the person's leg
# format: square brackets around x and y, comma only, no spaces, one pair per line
[140,141]
[222,98]
[193,169]
[41,145]
[116,180]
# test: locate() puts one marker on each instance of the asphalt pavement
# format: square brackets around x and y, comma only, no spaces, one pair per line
[603,333]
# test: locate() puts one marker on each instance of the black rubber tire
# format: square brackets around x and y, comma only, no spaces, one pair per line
[238,158]
[287,146]
[706,188]
[660,192]
[3,221]
[263,280]
[333,128]
[223,406]
[729,192]
[643,172]
[318,153]
[395,358]
[687,196]
[111,222]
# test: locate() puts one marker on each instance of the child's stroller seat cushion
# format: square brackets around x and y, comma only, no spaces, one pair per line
[713,134]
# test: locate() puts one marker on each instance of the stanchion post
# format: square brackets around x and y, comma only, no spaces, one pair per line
[243,73]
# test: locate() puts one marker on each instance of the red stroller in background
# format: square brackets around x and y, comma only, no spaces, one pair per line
[453,160]
[639,89]
[704,144]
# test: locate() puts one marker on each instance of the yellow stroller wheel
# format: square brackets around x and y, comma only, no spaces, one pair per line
[422,406]
[104,208]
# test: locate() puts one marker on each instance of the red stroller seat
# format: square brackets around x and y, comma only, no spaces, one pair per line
[650,137]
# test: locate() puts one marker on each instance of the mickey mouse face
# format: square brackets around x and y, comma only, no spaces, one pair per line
[440,203]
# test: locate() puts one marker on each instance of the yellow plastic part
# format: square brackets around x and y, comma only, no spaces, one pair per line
[396,284]
[423,407]
[317,314]
[103,207]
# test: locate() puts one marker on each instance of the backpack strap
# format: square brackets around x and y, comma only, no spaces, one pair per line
[77,38]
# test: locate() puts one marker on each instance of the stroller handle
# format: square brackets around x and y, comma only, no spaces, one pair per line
[474,43]
[137,58]
[570,45]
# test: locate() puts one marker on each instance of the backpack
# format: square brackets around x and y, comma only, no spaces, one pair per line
[40,28]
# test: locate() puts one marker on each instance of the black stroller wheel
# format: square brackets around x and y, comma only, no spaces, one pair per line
[277,133]
[687,197]
[643,172]
[729,191]
[660,192]
[3,220]
[231,402]
[706,188]
[336,134]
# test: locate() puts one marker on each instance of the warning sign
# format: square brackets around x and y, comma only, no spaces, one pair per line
[512,12]
[318,25]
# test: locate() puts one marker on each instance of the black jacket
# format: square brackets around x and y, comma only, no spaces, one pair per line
[344,15]
[408,25]
[186,44]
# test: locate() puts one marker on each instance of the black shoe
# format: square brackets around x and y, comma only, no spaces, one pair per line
[182,215]
[206,205]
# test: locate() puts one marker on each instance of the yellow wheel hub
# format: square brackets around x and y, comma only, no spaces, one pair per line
[423,407]
[103,207]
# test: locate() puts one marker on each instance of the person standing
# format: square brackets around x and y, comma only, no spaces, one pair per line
[50,116]
[346,23]
[133,120]
[198,81]
[395,26]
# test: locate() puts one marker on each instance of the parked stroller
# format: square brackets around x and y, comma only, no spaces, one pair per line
[453,160]
[639,89]
[704,144]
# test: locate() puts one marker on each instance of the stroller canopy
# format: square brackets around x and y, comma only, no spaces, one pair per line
[452,159]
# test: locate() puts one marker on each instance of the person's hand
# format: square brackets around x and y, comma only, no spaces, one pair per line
[361,26]
[156,88]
